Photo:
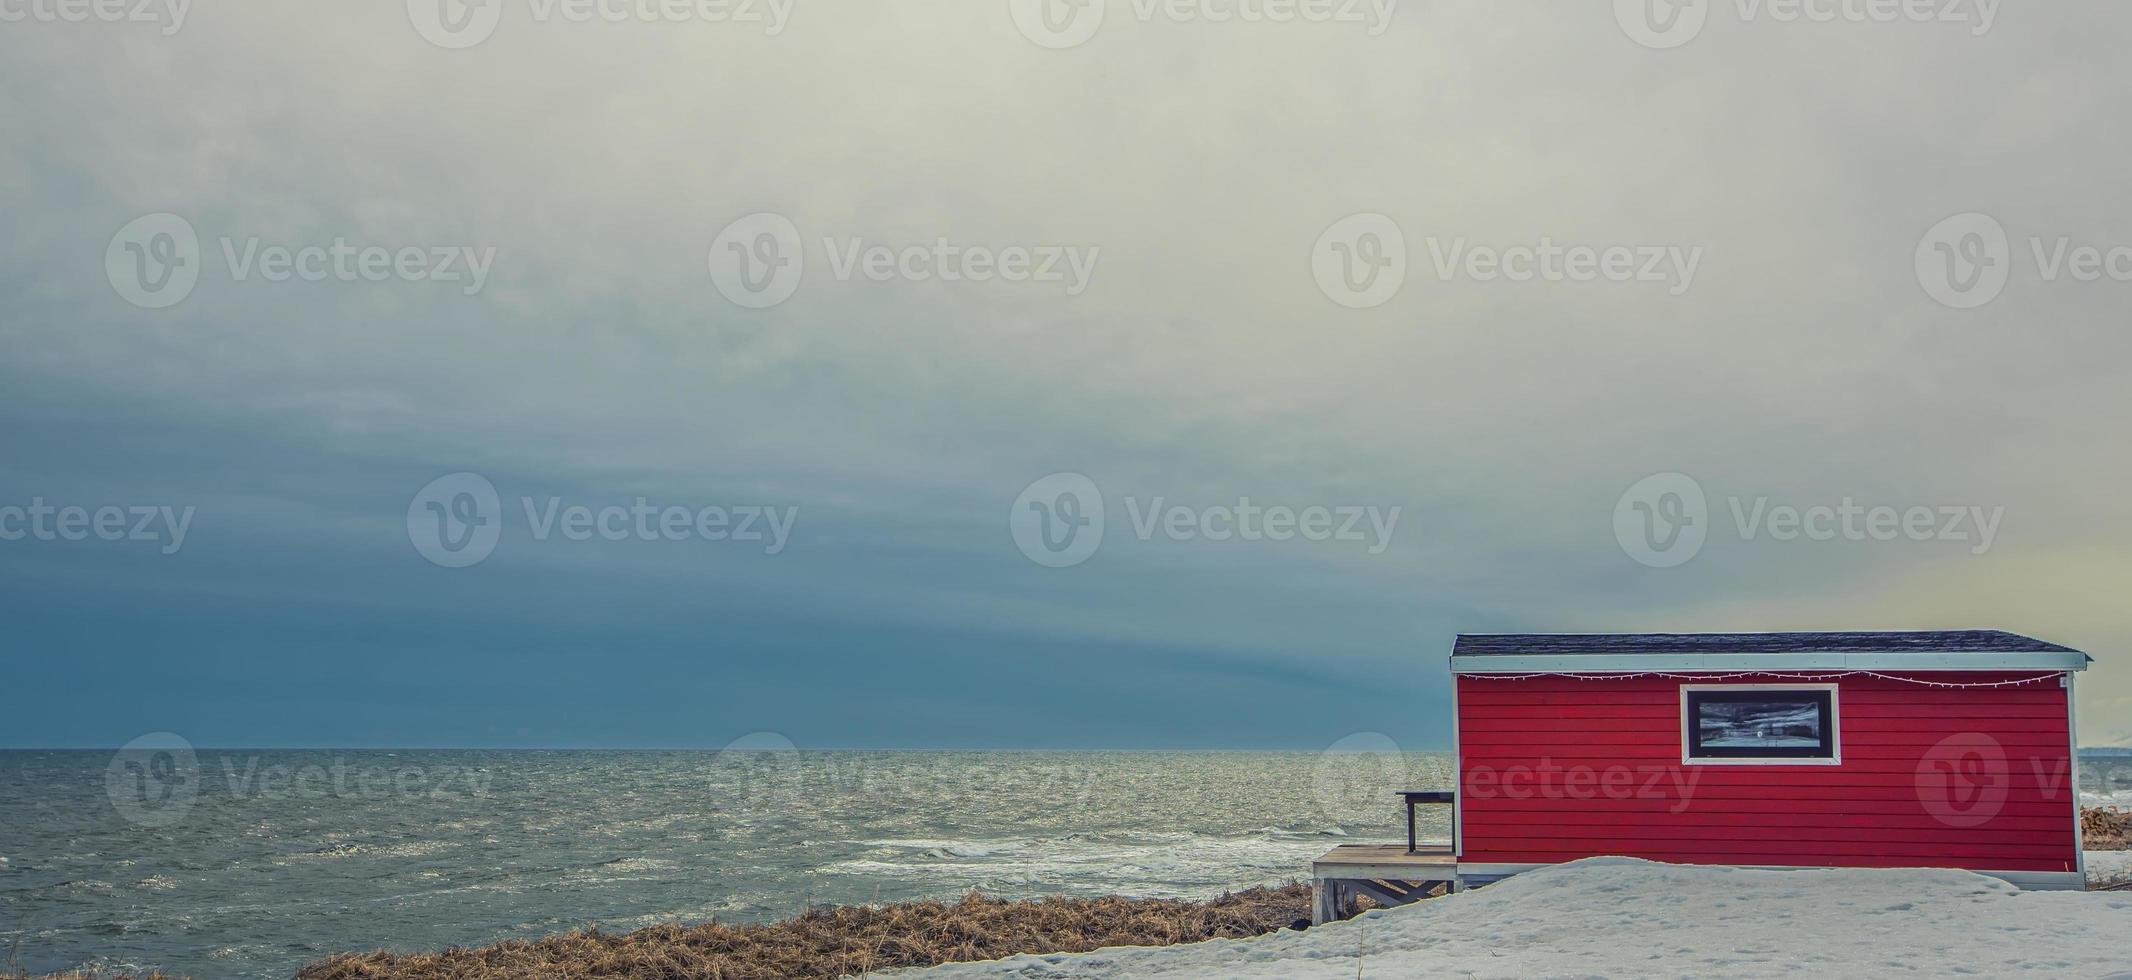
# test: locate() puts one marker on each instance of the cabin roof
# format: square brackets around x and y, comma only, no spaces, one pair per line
[1882,649]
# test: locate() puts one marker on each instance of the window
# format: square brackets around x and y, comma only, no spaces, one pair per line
[1753,723]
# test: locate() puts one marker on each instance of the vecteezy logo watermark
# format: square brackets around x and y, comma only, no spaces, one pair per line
[153,780]
[1058,24]
[169,13]
[456,520]
[1058,521]
[1965,261]
[1661,24]
[1550,261]
[1664,24]
[757,771]
[1360,261]
[455,24]
[1964,780]
[1663,520]
[41,521]
[460,24]
[1350,778]
[155,261]
[758,261]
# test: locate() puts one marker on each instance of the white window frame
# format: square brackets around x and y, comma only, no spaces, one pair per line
[1835,721]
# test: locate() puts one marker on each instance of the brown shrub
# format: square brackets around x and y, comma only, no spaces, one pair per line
[2106,829]
[842,941]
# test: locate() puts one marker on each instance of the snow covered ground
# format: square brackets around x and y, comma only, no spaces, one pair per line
[2108,867]
[1621,917]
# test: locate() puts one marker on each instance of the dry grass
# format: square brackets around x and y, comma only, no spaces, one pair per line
[843,941]
[2106,829]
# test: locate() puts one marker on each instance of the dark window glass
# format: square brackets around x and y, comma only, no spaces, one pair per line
[1761,725]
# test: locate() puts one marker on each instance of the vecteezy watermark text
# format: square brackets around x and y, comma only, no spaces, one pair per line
[758,261]
[1664,24]
[155,261]
[1059,521]
[457,24]
[338,779]
[154,780]
[1059,24]
[168,13]
[1548,781]
[42,521]
[767,772]
[1360,261]
[1246,521]
[458,519]
[1550,261]
[343,262]
[1663,520]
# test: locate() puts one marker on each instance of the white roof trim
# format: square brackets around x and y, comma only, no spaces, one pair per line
[1725,662]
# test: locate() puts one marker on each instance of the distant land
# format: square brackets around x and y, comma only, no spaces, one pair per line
[2106,750]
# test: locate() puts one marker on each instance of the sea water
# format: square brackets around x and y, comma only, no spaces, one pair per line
[243,863]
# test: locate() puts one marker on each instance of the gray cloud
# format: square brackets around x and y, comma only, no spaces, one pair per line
[1805,364]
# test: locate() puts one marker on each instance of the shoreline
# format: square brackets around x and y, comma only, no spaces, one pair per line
[849,940]
[858,940]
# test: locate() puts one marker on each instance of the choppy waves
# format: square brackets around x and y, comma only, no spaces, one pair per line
[1162,865]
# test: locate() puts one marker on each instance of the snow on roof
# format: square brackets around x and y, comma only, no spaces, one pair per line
[1621,917]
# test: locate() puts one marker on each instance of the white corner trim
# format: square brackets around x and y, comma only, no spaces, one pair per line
[1458,779]
[2072,751]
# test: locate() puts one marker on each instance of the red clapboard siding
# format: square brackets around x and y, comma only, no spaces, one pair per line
[1865,736]
[1554,769]
[1785,859]
[1556,724]
[1651,836]
[1739,803]
[1509,821]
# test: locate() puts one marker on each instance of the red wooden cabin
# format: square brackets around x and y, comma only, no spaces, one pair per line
[1894,749]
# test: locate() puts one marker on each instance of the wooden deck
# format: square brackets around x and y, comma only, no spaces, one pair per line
[1388,873]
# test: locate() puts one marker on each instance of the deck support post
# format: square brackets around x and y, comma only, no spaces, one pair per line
[1324,901]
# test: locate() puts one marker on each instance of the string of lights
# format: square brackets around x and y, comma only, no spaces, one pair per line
[1785,675]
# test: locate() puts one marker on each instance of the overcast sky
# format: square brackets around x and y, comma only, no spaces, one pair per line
[1729,257]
